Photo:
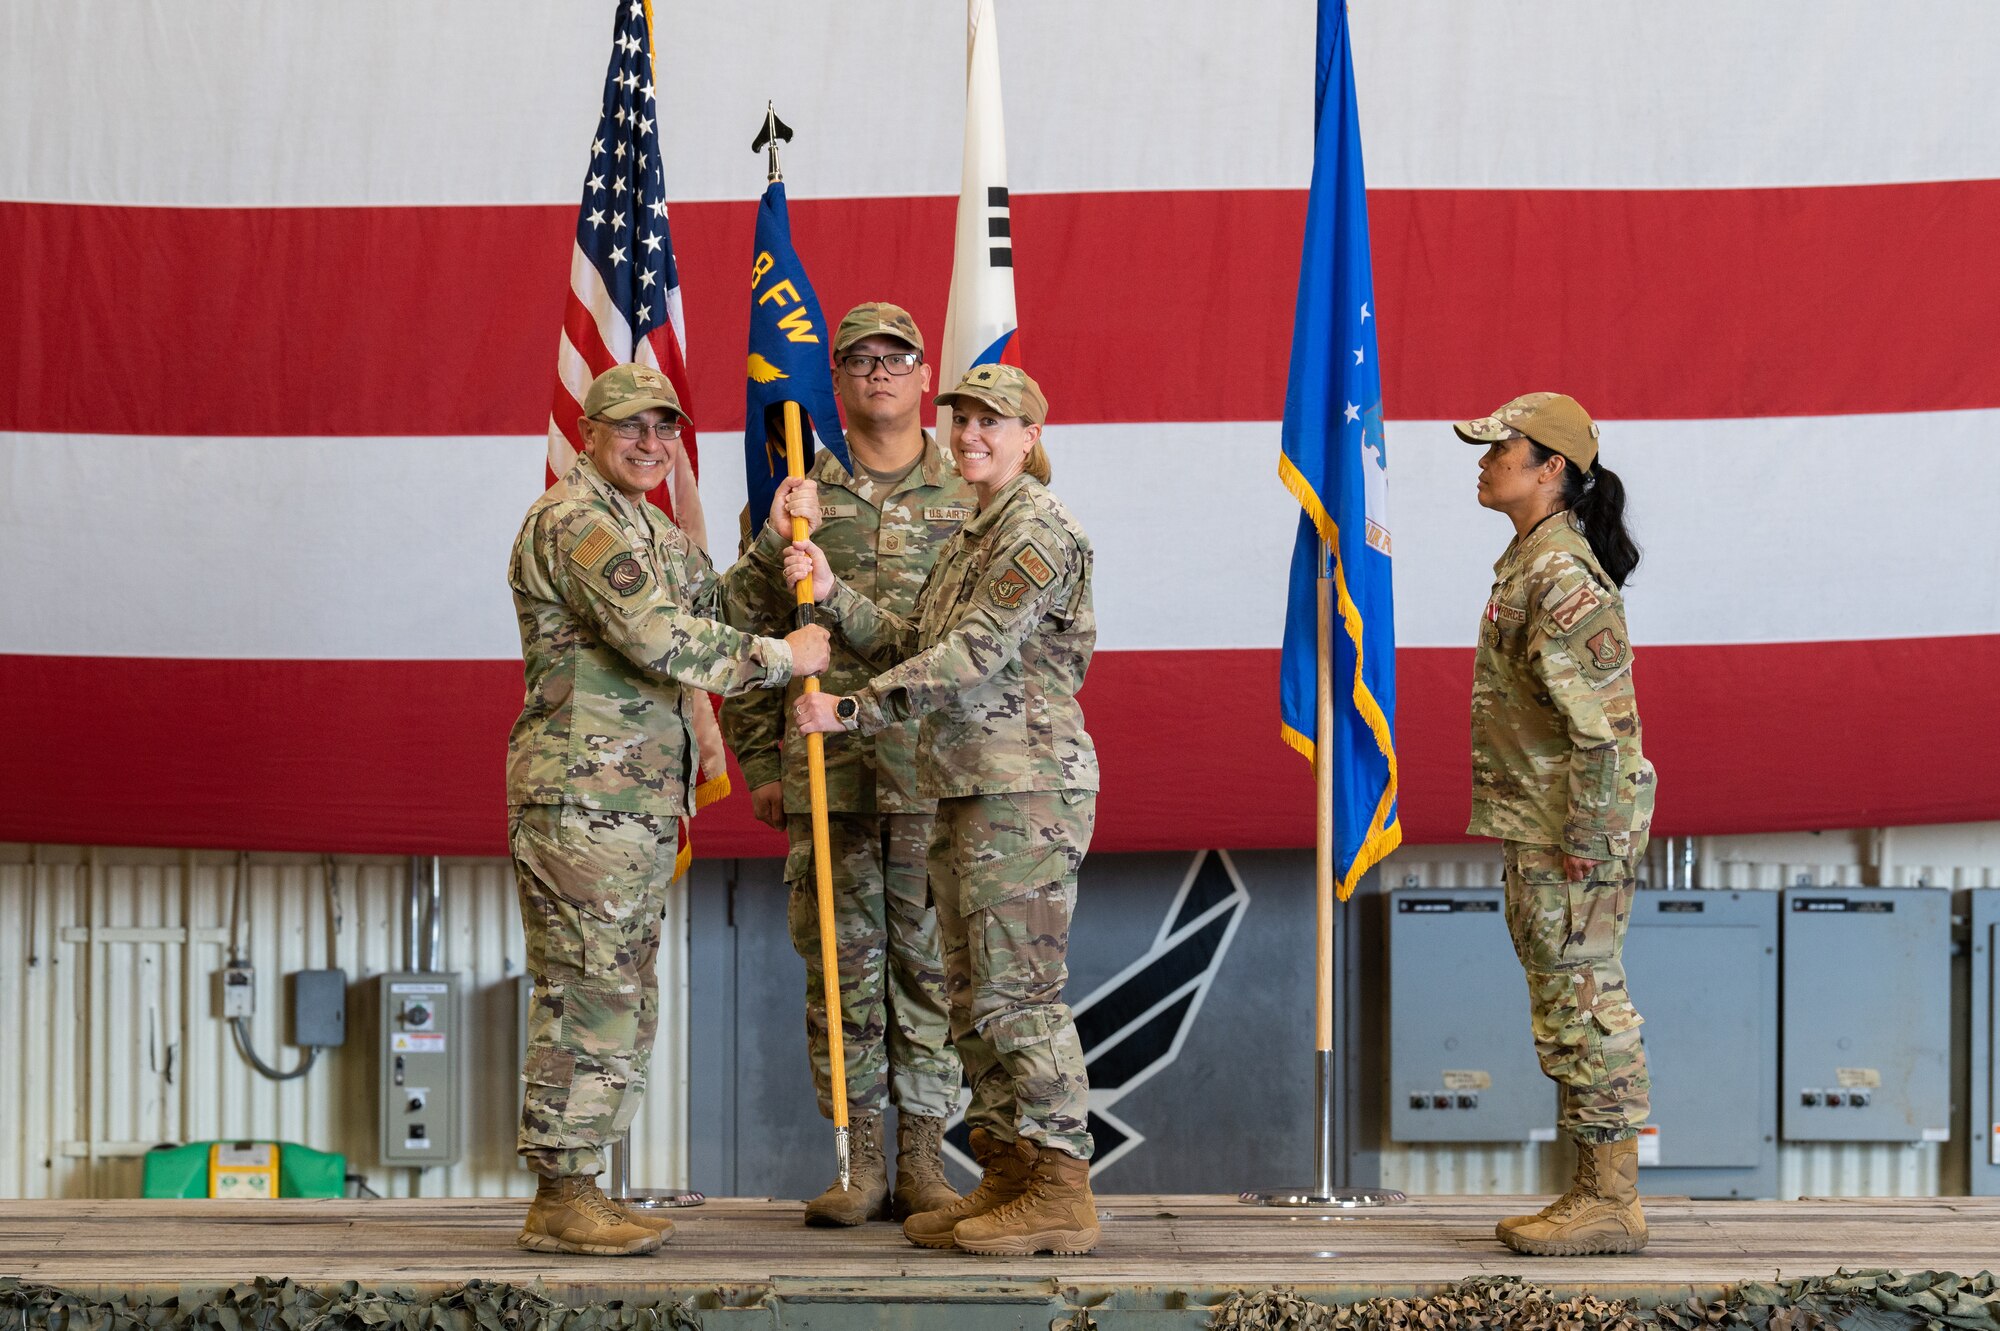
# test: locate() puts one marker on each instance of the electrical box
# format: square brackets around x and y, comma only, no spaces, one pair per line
[1462,1064]
[319,1008]
[420,1063]
[1703,970]
[1867,1014]
[1983,1142]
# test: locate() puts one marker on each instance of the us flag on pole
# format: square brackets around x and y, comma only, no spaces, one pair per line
[624,291]
[625,305]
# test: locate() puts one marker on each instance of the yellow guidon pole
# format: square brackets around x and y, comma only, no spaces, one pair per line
[773,133]
[829,958]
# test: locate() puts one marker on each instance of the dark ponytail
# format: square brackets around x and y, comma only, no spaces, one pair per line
[1598,500]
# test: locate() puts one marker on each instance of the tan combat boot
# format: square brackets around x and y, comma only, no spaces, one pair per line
[1599,1214]
[647,1218]
[920,1181]
[571,1214]
[866,1196]
[1005,1169]
[1056,1214]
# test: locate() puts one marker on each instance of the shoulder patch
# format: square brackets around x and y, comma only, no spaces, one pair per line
[1607,650]
[1031,562]
[1601,647]
[1008,589]
[625,574]
[1574,608]
[604,554]
[596,543]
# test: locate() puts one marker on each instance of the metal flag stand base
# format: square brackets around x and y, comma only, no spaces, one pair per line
[618,1170]
[1322,1195]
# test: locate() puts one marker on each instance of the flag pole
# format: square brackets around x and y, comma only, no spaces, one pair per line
[775,132]
[1321,1193]
[829,957]
[1323,890]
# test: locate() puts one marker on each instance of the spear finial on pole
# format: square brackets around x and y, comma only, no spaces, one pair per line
[773,133]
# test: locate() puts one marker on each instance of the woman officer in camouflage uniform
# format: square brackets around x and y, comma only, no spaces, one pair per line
[1558,776]
[992,661]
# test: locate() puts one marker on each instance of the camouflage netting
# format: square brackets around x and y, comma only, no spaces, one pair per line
[1846,1301]
[281,1305]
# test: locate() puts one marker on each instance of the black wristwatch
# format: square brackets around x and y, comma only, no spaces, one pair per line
[845,710]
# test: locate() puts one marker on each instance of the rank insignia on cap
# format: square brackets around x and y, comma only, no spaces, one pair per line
[596,543]
[1009,588]
[1030,562]
[625,574]
[1606,650]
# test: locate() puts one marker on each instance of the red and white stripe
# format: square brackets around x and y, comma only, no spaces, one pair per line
[275,382]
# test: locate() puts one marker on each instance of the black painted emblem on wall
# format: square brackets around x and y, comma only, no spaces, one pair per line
[1133,1025]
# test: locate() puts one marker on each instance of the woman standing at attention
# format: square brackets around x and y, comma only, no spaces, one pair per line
[992,659]
[1559,778]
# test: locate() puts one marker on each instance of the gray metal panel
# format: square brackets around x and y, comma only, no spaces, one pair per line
[1703,971]
[1460,1043]
[1867,1011]
[420,1067]
[1983,1141]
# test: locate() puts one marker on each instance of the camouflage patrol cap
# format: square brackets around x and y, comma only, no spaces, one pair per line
[627,390]
[1556,421]
[1005,388]
[872,317]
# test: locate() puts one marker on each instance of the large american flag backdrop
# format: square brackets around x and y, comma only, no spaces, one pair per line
[281,282]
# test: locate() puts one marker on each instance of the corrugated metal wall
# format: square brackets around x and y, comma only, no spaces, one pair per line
[109,973]
[109,963]
[1964,856]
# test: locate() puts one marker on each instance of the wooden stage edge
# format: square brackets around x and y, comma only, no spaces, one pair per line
[1161,1252]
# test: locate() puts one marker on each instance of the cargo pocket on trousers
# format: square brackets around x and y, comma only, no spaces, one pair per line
[574,930]
[548,1071]
[1024,845]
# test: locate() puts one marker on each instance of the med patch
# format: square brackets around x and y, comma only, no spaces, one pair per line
[1031,562]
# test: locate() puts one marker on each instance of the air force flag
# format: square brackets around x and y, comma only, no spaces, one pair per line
[790,358]
[1335,463]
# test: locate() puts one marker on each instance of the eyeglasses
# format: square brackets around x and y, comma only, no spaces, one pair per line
[633,431]
[861,365]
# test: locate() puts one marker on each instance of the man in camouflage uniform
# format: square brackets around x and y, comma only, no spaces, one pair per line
[882,527]
[991,658]
[1558,775]
[618,634]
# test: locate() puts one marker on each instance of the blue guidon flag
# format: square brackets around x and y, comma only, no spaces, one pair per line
[1335,463]
[791,351]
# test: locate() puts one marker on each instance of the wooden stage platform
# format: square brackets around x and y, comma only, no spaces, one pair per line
[1159,1254]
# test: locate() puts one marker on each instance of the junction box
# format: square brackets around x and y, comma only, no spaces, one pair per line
[1703,969]
[1462,1062]
[1867,1014]
[420,1066]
